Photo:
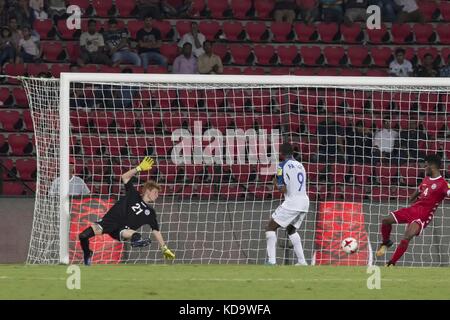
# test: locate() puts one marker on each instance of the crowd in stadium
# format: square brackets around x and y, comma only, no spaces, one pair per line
[301,37]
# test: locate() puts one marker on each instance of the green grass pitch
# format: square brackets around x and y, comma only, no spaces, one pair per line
[221,282]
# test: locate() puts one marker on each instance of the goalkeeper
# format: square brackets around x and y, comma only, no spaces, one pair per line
[131,212]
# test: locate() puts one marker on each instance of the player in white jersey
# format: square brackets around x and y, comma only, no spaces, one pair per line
[291,180]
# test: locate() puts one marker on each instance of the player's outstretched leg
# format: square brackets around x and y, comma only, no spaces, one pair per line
[84,242]
[297,243]
[386,228]
[412,230]
[135,238]
[271,237]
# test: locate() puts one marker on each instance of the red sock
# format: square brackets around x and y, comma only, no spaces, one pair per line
[386,231]
[402,247]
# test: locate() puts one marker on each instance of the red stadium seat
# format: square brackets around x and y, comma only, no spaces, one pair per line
[5,97]
[139,146]
[358,56]
[236,99]
[102,7]
[429,9]
[165,27]
[327,31]
[98,169]
[64,32]
[314,170]
[240,53]
[444,8]
[168,172]
[352,33]
[304,71]
[9,170]
[264,54]
[134,26]
[12,188]
[404,100]
[362,174]
[73,51]
[338,173]
[217,8]
[57,68]
[260,100]
[92,145]
[351,73]
[381,56]
[79,121]
[334,100]
[421,52]
[305,32]
[221,50]
[256,31]
[20,97]
[150,122]
[281,31]
[386,175]
[125,121]
[210,29]
[159,69]
[428,101]
[108,69]
[241,172]
[34,69]
[401,33]
[163,145]
[281,71]
[27,120]
[233,30]
[377,73]
[328,72]
[14,70]
[188,98]
[215,99]
[220,122]
[20,144]
[287,54]
[170,51]
[381,100]
[183,27]
[355,100]
[44,28]
[310,55]
[258,71]
[410,175]
[10,120]
[4,146]
[240,8]
[264,9]
[231,192]
[173,121]
[27,168]
[334,55]
[83,4]
[444,33]
[378,36]
[52,51]
[424,33]
[125,7]
[434,125]
[102,120]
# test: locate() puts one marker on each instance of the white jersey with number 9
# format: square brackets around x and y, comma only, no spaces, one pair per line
[292,174]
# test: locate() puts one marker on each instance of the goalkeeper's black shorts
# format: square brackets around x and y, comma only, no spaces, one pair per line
[112,227]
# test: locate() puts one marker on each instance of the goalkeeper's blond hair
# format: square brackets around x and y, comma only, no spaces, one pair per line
[150,185]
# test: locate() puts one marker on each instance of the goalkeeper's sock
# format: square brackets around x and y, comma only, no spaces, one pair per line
[298,249]
[386,232]
[401,249]
[84,239]
[271,237]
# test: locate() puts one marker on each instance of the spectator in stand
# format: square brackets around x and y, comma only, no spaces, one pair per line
[77,186]
[185,63]
[385,142]
[285,10]
[427,69]
[355,10]
[149,42]
[16,33]
[359,144]
[409,141]
[57,9]
[29,50]
[332,10]
[149,8]
[24,14]
[387,9]
[409,11]
[7,48]
[400,67]
[4,14]
[92,46]
[445,70]
[195,38]
[117,45]
[38,9]
[331,141]
[309,10]
[209,63]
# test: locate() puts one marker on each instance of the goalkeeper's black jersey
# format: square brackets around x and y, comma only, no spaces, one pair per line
[132,211]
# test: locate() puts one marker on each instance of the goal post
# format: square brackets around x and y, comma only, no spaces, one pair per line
[216,212]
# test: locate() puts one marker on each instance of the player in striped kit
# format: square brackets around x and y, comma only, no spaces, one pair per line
[432,191]
[291,181]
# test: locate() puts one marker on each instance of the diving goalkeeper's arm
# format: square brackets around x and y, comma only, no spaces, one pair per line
[168,254]
[145,165]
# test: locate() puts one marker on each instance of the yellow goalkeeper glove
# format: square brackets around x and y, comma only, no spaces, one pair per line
[167,253]
[146,164]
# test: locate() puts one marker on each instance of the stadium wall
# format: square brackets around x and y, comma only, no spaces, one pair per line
[16,217]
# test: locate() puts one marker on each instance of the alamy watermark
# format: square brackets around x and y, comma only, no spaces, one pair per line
[374,280]
[73,281]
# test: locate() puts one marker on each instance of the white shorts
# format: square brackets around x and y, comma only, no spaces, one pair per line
[285,217]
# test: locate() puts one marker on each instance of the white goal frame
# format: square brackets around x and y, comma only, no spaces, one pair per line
[67,78]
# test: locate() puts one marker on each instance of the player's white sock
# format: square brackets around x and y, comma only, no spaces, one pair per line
[271,237]
[298,249]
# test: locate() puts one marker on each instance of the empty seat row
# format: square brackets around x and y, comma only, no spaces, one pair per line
[23,168]
[16,144]
[14,120]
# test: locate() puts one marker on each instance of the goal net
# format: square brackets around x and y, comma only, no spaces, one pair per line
[215,141]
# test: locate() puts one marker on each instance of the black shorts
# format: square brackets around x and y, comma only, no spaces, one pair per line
[112,227]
